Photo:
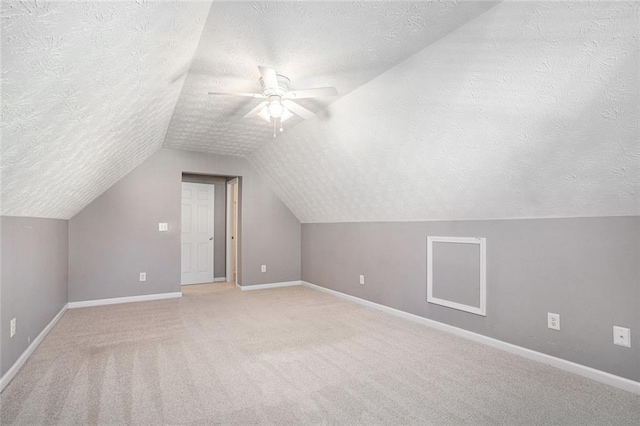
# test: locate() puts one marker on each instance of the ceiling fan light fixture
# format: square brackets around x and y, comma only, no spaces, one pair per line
[264,114]
[275,107]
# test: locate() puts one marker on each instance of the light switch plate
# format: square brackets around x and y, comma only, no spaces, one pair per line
[621,336]
[163,227]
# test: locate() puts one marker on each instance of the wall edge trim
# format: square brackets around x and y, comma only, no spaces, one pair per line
[562,364]
[270,285]
[477,219]
[129,299]
[13,370]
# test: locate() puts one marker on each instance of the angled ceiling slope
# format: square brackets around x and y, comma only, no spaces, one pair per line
[88,90]
[530,110]
[315,44]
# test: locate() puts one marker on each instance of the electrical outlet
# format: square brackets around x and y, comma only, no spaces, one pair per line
[621,336]
[163,227]
[143,276]
[13,328]
[263,268]
[553,321]
[362,279]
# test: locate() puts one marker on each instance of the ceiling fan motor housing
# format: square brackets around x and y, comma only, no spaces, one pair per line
[283,87]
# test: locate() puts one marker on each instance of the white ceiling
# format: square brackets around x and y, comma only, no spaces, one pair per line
[88,90]
[446,111]
[315,44]
[531,110]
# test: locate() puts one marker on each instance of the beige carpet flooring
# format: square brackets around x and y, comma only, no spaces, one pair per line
[286,356]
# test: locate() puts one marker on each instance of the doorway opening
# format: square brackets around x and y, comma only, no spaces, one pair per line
[210,212]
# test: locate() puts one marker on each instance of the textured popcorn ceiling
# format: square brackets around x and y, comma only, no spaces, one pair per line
[88,89]
[524,109]
[341,44]
[531,110]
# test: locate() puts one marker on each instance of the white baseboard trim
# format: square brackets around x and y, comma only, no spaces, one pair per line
[220,280]
[269,285]
[11,372]
[116,300]
[572,367]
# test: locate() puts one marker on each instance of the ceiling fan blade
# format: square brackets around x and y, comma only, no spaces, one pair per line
[318,92]
[256,109]
[286,114]
[249,95]
[298,110]
[269,77]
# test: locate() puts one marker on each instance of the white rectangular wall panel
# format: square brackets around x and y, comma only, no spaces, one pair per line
[457,280]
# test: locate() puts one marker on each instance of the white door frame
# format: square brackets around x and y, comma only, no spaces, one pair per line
[228,268]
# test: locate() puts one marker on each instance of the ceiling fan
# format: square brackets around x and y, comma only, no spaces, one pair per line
[279,105]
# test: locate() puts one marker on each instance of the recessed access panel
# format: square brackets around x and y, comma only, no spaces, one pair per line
[456,273]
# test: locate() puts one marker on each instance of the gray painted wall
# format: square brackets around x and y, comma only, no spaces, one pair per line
[116,236]
[219,218]
[33,281]
[585,269]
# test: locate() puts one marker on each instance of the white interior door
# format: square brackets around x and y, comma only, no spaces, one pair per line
[197,233]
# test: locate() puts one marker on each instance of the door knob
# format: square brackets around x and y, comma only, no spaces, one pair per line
[210,238]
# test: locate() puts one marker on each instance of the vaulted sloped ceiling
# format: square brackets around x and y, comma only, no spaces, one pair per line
[315,44]
[88,89]
[447,110]
[531,110]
